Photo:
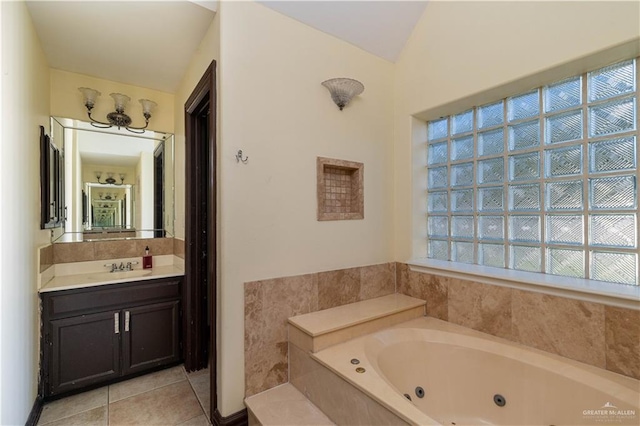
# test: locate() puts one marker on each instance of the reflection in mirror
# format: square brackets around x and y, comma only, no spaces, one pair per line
[108,206]
[119,185]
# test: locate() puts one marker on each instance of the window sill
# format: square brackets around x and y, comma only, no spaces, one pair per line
[620,295]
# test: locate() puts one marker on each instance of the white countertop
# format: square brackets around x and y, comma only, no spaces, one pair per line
[92,279]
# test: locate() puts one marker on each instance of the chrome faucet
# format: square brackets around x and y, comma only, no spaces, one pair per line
[113,267]
[123,267]
[129,266]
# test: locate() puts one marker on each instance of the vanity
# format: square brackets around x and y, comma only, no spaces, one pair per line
[97,328]
[110,198]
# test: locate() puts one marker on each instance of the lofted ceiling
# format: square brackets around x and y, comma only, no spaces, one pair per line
[379,27]
[150,43]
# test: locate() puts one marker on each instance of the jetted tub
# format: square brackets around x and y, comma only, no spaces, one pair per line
[471,378]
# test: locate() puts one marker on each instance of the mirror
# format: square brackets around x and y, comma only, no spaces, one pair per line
[117,184]
[51,183]
[108,206]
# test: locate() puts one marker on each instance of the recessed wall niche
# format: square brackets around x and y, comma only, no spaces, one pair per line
[340,189]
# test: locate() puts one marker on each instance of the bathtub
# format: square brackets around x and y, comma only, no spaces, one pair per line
[428,371]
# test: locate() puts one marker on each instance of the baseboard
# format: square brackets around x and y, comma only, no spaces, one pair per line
[241,418]
[36,410]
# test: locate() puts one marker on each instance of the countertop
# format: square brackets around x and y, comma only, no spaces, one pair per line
[88,279]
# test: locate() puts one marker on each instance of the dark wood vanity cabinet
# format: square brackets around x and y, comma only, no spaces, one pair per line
[100,334]
[152,337]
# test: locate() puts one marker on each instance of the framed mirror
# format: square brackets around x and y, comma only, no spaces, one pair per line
[117,184]
[51,183]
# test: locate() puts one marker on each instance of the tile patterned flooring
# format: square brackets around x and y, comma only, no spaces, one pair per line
[167,397]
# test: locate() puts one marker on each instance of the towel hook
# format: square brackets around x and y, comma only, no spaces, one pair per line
[239,157]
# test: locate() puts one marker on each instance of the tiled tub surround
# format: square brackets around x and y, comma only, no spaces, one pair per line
[269,303]
[447,359]
[338,399]
[605,336]
[315,331]
[309,333]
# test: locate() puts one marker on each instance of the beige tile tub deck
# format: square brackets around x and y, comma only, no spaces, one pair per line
[284,405]
[321,329]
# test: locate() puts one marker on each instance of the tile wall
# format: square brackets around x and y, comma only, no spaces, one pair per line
[337,190]
[269,303]
[604,336]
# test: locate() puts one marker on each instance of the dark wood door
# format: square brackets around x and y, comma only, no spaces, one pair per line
[200,223]
[151,336]
[85,350]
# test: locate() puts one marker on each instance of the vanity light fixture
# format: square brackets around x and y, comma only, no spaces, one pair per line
[108,196]
[110,179]
[343,90]
[116,118]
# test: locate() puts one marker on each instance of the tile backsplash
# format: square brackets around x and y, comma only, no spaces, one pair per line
[178,247]
[46,257]
[103,250]
[114,249]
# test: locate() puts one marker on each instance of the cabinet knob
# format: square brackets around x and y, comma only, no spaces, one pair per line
[126,320]
[116,323]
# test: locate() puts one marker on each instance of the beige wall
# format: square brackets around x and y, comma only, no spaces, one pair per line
[25,106]
[66,100]
[460,50]
[275,109]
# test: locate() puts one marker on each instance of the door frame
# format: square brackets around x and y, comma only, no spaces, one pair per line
[195,317]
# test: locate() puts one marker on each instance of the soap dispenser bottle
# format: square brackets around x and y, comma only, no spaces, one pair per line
[147,259]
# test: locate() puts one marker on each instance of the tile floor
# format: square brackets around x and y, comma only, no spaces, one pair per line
[167,397]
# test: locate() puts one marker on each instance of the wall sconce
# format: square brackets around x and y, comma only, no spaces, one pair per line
[343,89]
[116,118]
[110,179]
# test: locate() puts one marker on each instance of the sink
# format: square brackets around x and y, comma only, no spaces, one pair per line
[119,275]
[126,274]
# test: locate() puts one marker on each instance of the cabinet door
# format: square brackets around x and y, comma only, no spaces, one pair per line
[84,350]
[151,336]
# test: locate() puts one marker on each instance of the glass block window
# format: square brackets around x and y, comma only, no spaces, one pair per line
[543,181]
